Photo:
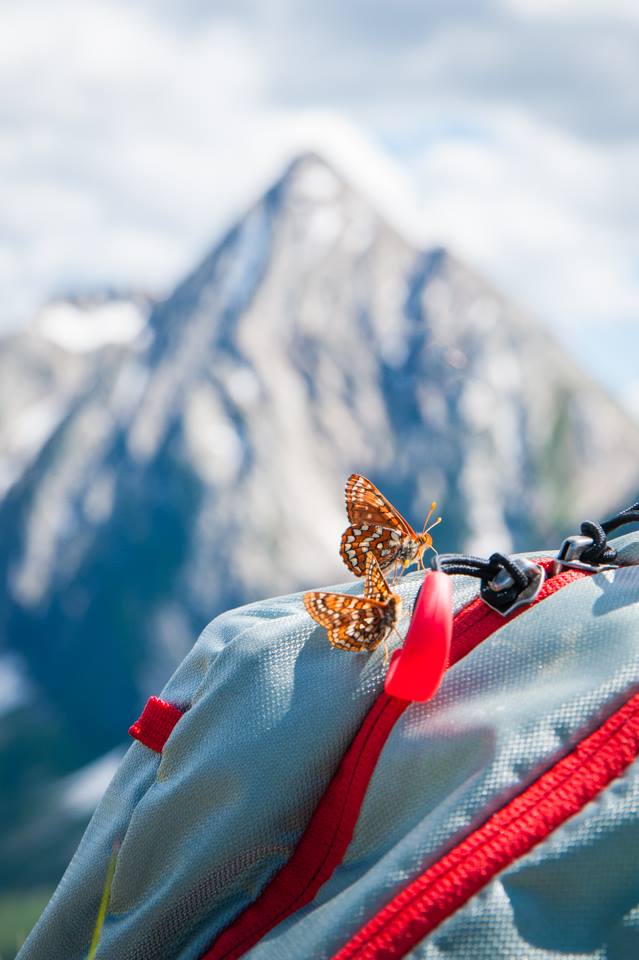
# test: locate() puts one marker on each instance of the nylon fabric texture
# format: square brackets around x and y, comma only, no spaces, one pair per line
[559,794]
[272,708]
[576,895]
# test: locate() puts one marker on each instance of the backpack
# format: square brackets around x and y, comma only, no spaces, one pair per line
[278,803]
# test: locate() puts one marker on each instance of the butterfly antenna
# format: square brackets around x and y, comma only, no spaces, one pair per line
[433,507]
[437,521]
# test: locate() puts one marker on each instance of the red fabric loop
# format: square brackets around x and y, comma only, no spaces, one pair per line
[156,724]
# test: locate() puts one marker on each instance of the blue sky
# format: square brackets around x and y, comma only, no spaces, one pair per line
[132,132]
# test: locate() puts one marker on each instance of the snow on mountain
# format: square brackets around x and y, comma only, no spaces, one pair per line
[14,686]
[46,367]
[80,792]
[205,467]
[630,399]
[80,327]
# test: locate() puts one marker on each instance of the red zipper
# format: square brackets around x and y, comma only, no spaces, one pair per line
[330,830]
[510,833]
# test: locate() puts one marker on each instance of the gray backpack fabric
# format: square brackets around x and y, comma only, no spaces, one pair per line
[270,708]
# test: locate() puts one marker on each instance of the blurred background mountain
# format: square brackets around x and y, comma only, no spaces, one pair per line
[167,455]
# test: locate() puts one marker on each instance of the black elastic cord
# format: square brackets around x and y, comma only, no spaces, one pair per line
[458,563]
[600,551]
[629,515]
[513,566]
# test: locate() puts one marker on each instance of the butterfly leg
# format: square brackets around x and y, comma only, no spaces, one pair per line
[386,657]
[399,637]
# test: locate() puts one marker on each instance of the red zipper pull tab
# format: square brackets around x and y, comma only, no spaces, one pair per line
[417,669]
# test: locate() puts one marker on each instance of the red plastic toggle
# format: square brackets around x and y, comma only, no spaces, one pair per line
[416,671]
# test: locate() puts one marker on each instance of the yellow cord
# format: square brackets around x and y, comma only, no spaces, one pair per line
[104,904]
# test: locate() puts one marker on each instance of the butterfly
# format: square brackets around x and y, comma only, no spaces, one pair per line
[357,623]
[378,527]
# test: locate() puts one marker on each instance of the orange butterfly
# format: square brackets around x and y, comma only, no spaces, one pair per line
[357,623]
[378,527]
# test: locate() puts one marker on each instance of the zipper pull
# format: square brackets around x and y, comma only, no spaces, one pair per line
[417,669]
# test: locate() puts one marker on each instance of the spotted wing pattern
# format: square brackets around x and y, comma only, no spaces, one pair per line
[375,585]
[358,541]
[365,504]
[352,623]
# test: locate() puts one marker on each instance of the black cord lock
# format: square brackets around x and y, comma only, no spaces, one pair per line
[508,583]
[516,584]
[581,552]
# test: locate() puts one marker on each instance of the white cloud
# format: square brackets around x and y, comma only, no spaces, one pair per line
[537,209]
[575,9]
[131,133]
[118,136]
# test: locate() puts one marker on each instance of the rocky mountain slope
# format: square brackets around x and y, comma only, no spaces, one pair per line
[206,468]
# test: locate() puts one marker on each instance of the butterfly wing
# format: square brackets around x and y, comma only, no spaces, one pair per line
[375,585]
[365,504]
[357,542]
[351,623]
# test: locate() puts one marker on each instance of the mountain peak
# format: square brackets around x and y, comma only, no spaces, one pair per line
[310,178]
[311,216]
[308,159]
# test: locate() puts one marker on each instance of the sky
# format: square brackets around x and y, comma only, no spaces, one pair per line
[133,131]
